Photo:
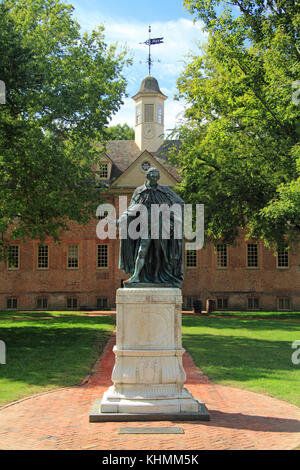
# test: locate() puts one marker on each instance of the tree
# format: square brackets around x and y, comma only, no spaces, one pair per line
[120,132]
[240,153]
[62,87]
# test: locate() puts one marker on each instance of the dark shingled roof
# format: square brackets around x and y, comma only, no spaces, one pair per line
[124,152]
[149,85]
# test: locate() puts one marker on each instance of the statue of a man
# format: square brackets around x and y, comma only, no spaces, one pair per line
[156,260]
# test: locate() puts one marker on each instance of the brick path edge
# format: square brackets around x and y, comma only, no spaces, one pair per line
[59,419]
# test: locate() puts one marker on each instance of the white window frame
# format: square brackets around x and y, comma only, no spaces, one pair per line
[70,257]
[160,114]
[277,258]
[107,255]
[257,255]
[100,300]
[43,268]
[219,255]
[186,259]
[253,308]
[148,112]
[103,171]
[12,299]
[138,114]
[72,298]
[42,299]
[14,268]
[284,298]
[222,299]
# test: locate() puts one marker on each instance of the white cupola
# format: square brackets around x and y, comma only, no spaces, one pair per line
[149,115]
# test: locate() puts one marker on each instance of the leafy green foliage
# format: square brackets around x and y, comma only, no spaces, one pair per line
[240,153]
[62,87]
[120,132]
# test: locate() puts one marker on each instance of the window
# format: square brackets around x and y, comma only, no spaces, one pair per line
[42,302]
[72,302]
[102,256]
[252,255]
[189,301]
[149,113]
[222,257]
[222,303]
[13,257]
[253,303]
[160,115]
[12,303]
[103,170]
[102,302]
[191,258]
[101,217]
[138,114]
[43,257]
[282,258]
[73,258]
[284,303]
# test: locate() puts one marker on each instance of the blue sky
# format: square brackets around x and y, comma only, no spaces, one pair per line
[141,10]
[126,22]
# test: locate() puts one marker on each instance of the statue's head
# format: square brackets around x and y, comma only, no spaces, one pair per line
[153,175]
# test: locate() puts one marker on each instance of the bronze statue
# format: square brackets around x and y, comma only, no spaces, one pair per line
[153,261]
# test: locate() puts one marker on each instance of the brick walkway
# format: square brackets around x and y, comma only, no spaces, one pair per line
[60,419]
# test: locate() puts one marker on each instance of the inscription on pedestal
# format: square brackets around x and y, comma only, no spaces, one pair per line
[147,329]
[148,371]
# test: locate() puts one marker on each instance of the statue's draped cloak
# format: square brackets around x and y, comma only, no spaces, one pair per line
[171,250]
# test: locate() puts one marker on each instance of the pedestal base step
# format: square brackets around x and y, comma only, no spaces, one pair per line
[97,416]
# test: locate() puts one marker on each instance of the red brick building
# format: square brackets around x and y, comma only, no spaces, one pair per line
[82,271]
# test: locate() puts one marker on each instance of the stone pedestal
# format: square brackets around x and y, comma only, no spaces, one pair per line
[148,375]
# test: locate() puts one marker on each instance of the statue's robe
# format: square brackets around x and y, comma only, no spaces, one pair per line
[171,250]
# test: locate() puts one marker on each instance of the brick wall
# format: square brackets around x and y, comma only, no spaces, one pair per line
[236,283]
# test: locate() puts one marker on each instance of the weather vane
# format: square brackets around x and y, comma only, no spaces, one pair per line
[150,42]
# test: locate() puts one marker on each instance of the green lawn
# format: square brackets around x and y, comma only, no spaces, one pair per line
[10,314]
[251,354]
[59,351]
[251,314]
[257,314]
[42,354]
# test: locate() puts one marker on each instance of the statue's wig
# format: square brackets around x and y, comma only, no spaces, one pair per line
[153,168]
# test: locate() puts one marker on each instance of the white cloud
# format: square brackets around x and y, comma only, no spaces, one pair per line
[180,39]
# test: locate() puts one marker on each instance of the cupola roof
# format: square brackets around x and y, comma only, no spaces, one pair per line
[149,85]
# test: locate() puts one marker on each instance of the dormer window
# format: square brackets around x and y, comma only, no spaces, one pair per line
[149,113]
[103,171]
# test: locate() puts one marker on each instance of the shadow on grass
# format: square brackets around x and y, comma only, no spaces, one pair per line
[256,355]
[256,315]
[55,352]
[16,314]
[238,358]
[254,324]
